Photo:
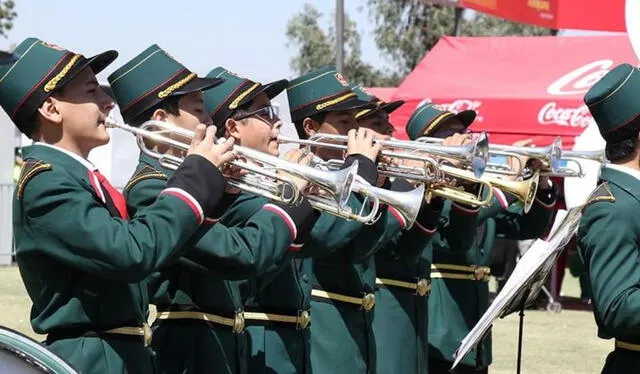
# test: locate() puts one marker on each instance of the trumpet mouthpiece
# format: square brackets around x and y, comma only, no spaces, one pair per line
[109,123]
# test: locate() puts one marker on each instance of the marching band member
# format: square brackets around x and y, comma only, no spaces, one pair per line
[343,277]
[82,259]
[199,324]
[403,267]
[274,320]
[608,234]
[460,272]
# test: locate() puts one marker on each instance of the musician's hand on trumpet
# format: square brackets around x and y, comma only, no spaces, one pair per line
[362,141]
[533,164]
[299,157]
[457,140]
[204,144]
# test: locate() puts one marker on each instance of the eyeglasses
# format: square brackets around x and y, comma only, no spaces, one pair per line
[269,114]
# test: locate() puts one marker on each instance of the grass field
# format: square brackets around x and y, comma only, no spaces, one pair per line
[563,343]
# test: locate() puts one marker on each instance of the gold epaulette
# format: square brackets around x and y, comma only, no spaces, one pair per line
[30,169]
[601,193]
[147,172]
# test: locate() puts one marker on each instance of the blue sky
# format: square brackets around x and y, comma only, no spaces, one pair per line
[246,36]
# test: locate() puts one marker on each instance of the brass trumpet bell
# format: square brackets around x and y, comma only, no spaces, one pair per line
[525,190]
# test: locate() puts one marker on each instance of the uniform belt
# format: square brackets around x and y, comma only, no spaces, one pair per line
[301,320]
[236,322]
[143,331]
[422,286]
[366,302]
[240,319]
[628,346]
[463,272]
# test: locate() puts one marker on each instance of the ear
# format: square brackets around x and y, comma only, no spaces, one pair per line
[50,111]
[310,126]
[232,128]
[159,115]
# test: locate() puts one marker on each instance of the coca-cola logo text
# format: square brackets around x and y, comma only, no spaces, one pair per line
[551,114]
[579,81]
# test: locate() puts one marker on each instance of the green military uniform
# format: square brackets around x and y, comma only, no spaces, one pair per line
[276,303]
[82,263]
[402,273]
[461,255]
[608,231]
[199,325]
[343,277]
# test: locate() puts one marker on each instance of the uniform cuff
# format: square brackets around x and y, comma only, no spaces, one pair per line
[504,199]
[465,209]
[366,168]
[201,180]
[225,203]
[429,215]
[547,198]
[298,218]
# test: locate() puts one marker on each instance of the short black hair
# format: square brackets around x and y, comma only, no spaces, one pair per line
[317,117]
[34,123]
[621,144]
[235,114]
[170,104]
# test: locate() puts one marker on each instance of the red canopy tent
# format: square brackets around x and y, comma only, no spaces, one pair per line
[382,93]
[556,14]
[521,87]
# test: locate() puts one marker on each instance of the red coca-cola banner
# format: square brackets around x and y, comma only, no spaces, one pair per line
[556,14]
[527,87]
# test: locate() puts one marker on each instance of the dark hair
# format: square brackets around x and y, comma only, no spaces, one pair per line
[170,104]
[34,122]
[317,117]
[235,114]
[621,144]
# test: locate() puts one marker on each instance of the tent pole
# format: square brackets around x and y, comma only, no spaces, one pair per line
[339,35]
[457,27]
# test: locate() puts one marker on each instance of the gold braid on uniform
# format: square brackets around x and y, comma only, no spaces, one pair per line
[30,169]
[147,172]
[601,193]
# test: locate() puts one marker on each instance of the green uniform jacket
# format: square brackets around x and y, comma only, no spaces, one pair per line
[400,321]
[286,290]
[201,280]
[82,268]
[608,243]
[456,305]
[342,336]
[284,348]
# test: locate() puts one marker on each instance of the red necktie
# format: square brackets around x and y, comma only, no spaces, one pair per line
[116,196]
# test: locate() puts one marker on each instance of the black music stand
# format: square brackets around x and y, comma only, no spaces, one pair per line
[524,284]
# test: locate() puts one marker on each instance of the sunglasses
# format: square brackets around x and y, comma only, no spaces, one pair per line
[269,114]
[449,132]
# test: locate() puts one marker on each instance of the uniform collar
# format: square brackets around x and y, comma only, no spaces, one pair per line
[625,169]
[76,157]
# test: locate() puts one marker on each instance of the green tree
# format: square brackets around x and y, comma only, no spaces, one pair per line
[316,48]
[7,15]
[405,30]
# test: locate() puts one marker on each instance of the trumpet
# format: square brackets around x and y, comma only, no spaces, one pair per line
[442,187]
[575,157]
[265,180]
[475,154]
[524,190]
[448,190]
[407,204]
[551,155]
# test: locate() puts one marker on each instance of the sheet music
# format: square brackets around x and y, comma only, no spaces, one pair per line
[529,274]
